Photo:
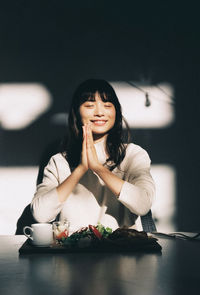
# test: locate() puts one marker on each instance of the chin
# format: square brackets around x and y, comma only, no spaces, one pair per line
[99,131]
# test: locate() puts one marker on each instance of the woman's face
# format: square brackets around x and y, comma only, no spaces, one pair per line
[99,115]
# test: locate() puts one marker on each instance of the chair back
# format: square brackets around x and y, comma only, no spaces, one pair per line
[148,223]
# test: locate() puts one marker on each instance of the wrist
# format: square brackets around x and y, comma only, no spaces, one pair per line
[81,169]
[99,169]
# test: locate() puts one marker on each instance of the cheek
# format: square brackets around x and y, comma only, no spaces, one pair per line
[84,117]
[84,120]
[113,116]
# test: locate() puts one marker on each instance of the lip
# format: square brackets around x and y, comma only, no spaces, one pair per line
[99,122]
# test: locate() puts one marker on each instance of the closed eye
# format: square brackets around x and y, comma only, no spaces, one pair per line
[89,105]
[108,105]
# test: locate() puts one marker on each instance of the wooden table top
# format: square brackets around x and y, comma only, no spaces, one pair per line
[176,270]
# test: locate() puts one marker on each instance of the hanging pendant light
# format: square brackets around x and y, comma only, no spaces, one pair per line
[147,101]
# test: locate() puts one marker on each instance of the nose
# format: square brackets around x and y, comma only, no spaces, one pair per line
[99,110]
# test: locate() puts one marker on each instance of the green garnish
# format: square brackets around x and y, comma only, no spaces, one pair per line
[86,235]
[104,231]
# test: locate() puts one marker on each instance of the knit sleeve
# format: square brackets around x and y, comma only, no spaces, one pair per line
[138,190]
[45,204]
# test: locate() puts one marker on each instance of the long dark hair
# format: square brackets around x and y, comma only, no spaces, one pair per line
[115,143]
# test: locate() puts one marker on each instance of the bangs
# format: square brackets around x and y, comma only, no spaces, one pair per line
[90,96]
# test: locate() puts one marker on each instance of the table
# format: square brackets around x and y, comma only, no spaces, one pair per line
[174,271]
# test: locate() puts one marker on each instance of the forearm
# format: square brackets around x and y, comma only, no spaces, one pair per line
[45,205]
[137,197]
[50,195]
[67,186]
[113,182]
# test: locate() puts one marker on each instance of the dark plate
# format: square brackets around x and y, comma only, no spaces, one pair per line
[121,245]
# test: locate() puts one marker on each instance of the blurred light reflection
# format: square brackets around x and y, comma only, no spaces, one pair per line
[22,104]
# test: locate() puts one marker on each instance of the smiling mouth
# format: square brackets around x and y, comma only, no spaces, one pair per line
[99,122]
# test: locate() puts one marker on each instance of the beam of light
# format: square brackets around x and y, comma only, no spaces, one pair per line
[14,198]
[22,104]
[159,114]
[155,110]
[164,207]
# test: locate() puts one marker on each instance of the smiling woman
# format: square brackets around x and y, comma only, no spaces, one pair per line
[99,177]
[101,101]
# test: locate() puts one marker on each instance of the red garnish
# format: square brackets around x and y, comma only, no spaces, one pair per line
[62,235]
[95,231]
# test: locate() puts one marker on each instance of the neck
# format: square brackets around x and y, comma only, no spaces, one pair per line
[99,137]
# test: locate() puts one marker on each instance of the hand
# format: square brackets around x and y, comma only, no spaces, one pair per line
[92,159]
[84,160]
[89,160]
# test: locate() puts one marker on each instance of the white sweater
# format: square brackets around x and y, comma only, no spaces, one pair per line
[91,201]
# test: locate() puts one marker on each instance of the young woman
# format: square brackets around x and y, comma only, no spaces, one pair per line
[99,178]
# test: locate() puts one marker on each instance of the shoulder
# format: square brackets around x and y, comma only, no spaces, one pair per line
[58,166]
[58,160]
[58,157]
[135,149]
[136,155]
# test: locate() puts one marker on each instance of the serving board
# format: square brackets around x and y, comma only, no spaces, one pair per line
[137,245]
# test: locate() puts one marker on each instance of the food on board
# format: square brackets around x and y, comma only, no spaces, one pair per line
[103,237]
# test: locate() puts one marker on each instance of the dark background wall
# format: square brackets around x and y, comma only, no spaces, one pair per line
[61,43]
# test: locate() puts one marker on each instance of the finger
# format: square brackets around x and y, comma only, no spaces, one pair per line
[89,136]
[84,149]
[84,132]
[84,136]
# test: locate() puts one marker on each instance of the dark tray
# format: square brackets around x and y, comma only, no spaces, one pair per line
[144,245]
